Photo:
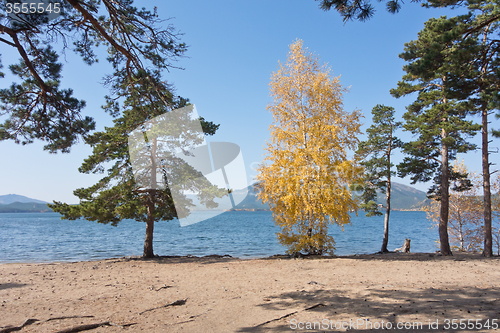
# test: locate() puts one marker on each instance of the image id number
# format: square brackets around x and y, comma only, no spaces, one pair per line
[33,8]
[477,324]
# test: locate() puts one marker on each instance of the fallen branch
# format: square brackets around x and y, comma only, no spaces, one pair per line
[78,328]
[314,306]
[9,329]
[290,314]
[122,326]
[183,322]
[87,327]
[276,319]
[191,318]
[68,317]
[314,282]
[163,287]
[200,314]
[176,303]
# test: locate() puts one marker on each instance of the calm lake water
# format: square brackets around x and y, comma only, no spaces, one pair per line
[41,237]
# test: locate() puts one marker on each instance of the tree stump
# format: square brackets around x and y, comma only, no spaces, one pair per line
[405,248]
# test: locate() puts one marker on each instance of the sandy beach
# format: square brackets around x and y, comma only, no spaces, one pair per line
[214,294]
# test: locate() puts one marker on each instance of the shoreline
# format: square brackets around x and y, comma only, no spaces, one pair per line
[223,294]
[388,255]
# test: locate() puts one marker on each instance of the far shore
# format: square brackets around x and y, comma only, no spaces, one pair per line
[229,210]
[224,294]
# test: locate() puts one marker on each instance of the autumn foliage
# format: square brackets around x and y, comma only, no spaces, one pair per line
[306,173]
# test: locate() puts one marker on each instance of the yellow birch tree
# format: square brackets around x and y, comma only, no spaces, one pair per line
[306,173]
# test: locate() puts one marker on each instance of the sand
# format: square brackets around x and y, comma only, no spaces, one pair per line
[231,295]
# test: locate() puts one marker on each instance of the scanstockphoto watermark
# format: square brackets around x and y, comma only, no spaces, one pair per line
[170,150]
[358,324]
[367,324]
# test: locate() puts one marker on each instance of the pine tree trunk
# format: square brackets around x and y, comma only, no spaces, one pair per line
[488,239]
[150,221]
[150,224]
[445,199]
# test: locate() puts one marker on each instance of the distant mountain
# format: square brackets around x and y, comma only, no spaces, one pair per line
[251,201]
[11,198]
[14,203]
[24,207]
[402,197]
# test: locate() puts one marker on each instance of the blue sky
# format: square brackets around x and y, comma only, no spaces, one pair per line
[234,46]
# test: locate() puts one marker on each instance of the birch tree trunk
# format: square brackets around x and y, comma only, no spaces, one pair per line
[388,199]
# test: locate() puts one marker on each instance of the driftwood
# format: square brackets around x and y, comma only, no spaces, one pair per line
[27,322]
[314,282]
[290,314]
[275,319]
[405,248]
[9,329]
[78,328]
[183,322]
[163,287]
[68,317]
[176,303]
[314,306]
[87,327]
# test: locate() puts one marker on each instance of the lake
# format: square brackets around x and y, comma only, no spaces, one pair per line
[43,237]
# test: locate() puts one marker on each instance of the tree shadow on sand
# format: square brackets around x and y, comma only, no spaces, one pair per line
[208,259]
[417,256]
[391,256]
[380,303]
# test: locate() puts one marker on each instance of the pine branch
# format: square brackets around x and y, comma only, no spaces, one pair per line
[13,34]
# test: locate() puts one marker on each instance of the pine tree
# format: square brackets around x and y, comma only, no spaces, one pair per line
[376,153]
[437,118]
[306,174]
[479,78]
[36,107]
[363,10]
[474,82]
[118,195]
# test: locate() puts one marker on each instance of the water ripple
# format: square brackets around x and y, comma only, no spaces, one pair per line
[41,237]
